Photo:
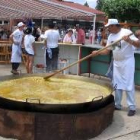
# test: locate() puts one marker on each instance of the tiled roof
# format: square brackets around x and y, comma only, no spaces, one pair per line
[11,9]
[78,6]
[100,16]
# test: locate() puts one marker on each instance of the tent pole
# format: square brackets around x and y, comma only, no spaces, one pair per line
[42,20]
[93,36]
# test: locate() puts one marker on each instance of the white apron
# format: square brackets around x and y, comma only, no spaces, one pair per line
[124,61]
[16,49]
[123,74]
[16,53]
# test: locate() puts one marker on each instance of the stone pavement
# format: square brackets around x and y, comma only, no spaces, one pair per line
[122,127]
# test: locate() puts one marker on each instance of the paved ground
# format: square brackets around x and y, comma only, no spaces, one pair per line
[122,127]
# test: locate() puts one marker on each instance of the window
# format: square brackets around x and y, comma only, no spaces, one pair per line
[2,22]
[6,22]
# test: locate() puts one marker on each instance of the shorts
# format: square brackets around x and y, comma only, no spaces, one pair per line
[25,52]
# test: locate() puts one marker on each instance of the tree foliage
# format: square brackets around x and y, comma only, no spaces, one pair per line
[86,4]
[99,4]
[124,10]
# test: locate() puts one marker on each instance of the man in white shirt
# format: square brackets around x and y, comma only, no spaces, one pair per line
[17,39]
[52,38]
[123,63]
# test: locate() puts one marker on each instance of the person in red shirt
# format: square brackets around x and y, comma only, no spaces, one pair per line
[80,38]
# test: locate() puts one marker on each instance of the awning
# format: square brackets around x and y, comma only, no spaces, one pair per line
[19,9]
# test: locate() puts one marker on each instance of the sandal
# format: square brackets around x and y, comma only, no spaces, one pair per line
[14,72]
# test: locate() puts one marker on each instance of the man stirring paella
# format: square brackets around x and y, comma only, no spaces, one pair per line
[123,63]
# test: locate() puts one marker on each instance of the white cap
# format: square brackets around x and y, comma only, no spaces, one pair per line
[20,24]
[70,29]
[112,22]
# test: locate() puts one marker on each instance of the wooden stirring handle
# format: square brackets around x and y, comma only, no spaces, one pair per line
[84,58]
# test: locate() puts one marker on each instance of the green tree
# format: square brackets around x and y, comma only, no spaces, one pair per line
[99,4]
[86,4]
[124,10]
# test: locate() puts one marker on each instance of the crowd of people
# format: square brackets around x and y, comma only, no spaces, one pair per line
[23,38]
[4,33]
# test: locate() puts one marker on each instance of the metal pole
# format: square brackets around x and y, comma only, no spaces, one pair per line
[93,36]
[42,23]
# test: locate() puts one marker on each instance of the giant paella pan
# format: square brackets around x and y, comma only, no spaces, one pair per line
[64,107]
[57,94]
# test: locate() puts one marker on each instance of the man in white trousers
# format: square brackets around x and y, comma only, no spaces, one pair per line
[123,63]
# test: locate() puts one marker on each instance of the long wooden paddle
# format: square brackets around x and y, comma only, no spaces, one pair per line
[84,58]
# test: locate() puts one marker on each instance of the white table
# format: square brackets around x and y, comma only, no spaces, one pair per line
[70,52]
